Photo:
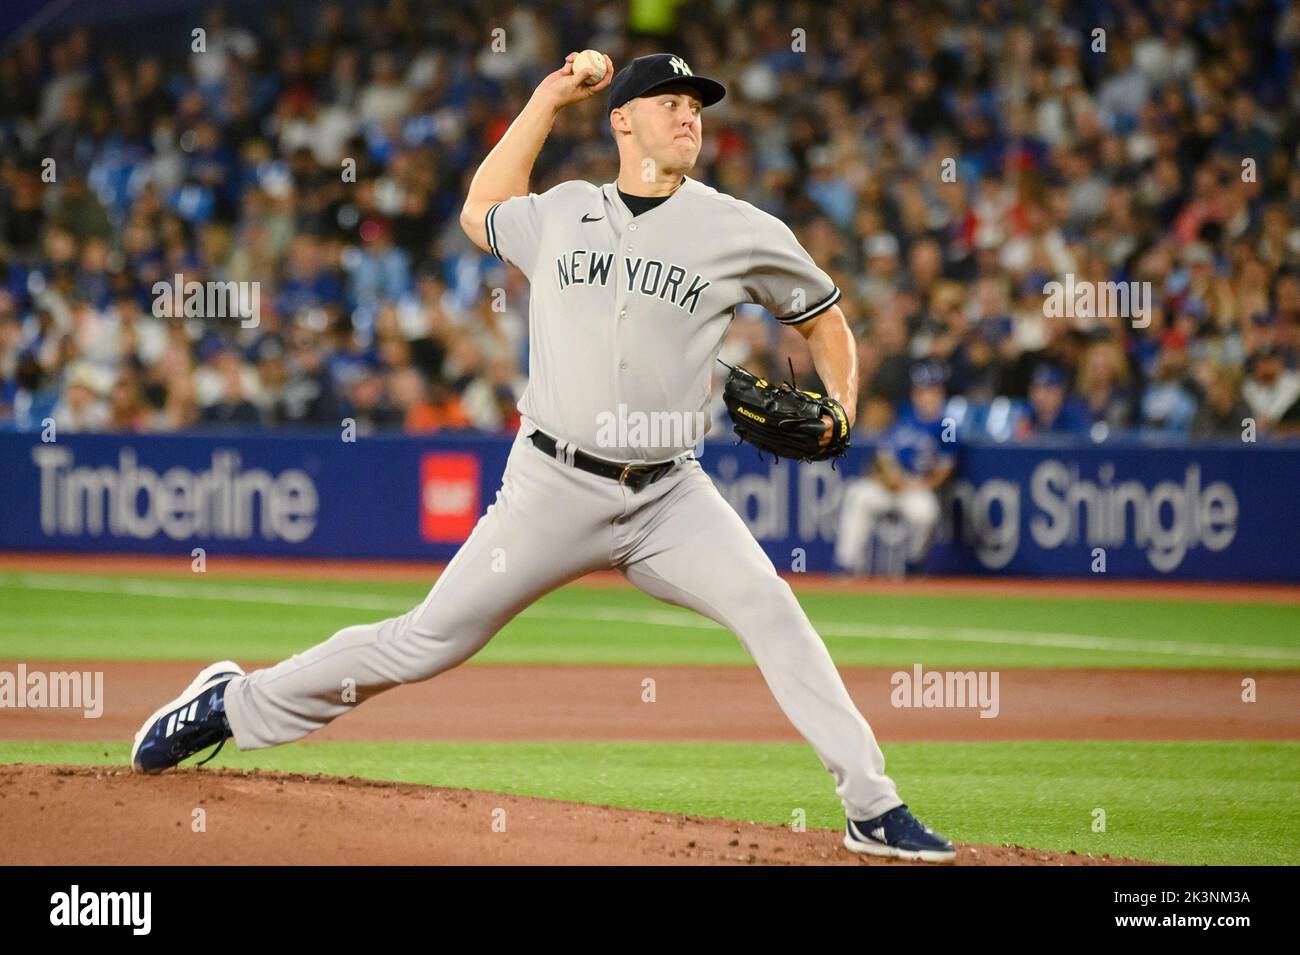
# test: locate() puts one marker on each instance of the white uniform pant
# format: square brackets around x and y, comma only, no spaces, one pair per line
[865,500]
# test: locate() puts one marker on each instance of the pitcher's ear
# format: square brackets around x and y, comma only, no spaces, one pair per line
[618,120]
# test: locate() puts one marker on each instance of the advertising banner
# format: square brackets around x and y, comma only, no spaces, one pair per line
[1202,513]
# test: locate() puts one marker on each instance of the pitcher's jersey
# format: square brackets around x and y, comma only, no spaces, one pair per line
[627,314]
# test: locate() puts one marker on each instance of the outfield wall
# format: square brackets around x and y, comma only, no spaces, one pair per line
[1197,513]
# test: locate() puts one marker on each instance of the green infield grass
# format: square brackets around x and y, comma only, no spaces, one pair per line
[255,619]
[1192,803]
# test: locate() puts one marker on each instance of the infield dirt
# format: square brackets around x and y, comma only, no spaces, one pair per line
[507,703]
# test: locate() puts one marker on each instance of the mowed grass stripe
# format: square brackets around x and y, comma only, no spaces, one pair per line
[1216,803]
[568,625]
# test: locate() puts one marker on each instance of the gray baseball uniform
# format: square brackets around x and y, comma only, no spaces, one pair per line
[627,315]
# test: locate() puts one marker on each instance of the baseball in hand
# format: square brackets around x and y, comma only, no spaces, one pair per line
[590,60]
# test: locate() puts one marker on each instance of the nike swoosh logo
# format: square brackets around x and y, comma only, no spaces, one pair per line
[589,218]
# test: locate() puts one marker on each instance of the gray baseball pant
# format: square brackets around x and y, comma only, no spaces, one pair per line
[677,540]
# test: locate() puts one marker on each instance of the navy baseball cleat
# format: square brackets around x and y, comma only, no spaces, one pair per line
[900,834]
[193,721]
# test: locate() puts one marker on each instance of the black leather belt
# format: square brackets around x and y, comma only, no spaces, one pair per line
[635,476]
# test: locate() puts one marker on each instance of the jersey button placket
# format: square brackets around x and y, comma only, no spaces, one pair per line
[626,453]
[621,302]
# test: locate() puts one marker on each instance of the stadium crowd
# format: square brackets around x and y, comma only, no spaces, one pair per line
[944,162]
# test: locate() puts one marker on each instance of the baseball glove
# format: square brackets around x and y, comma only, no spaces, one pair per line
[783,419]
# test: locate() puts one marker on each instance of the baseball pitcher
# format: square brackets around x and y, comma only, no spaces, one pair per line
[632,287]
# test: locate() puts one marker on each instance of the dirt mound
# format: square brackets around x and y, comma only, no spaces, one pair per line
[64,815]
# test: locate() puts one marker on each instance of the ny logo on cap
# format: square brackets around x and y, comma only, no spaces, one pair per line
[679,66]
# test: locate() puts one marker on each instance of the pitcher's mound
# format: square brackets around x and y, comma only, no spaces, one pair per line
[78,815]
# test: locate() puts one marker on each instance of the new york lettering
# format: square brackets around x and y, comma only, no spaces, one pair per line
[649,277]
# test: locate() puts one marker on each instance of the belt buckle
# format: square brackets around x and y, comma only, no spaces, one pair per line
[639,476]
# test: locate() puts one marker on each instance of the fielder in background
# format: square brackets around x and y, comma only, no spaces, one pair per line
[914,460]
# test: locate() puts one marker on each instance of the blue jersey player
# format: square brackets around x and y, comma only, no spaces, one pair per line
[915,458]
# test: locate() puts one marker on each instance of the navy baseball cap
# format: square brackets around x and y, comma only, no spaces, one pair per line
[927,373]
[995,329]
[1048,376]
[647,73]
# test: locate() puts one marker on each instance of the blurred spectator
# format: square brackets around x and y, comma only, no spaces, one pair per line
[82,407]
[370,407]
[126,408]
[1051,410]
[232,405]
[432,406]
[1270,389]
[1222,414]
[1169,402]
[1103,386]
[944,162]
[490,400]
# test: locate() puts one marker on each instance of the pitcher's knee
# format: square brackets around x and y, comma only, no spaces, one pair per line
[427,645]
[768,606]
